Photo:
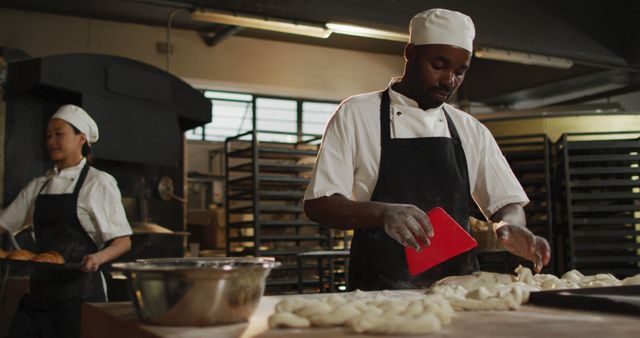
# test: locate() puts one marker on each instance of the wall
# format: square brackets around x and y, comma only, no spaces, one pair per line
[237,63]
[198,157]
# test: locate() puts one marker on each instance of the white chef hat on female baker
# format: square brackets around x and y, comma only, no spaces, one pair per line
[79,119]
[439,26]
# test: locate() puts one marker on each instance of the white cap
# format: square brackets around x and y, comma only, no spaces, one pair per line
[439,26]
[79,119]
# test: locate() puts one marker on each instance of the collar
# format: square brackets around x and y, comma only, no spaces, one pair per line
[68,172]
[397,99]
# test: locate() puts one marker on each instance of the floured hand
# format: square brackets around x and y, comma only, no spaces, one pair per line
[521,242]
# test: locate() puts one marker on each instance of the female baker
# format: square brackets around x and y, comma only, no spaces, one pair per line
[75,210]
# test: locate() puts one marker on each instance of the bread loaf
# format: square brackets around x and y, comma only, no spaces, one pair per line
[20,255]
[49,257]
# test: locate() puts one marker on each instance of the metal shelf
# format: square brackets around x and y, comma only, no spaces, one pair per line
[605,233]
[598,198]
[269,209]
[603,171]
[273,224]
[604,183]
[603,208]
[608,259]
[268,195]
[605,221]
[274,168]
[280,238]
[600,145]
[271,191]
[270,181]
[600,158]
[273,153]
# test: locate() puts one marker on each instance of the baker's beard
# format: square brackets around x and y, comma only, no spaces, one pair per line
[435,97]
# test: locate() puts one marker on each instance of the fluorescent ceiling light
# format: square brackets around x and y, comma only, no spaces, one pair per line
[347,29]
[261,23]
[524,58]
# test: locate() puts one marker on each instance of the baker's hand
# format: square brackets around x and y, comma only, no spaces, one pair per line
[522,242]
[408,225]
[90,263]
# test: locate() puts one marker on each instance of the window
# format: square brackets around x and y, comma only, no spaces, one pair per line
[232,114]
[277,115]
[315,116]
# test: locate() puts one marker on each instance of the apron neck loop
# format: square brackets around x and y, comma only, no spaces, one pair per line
[385,120]
[76,190]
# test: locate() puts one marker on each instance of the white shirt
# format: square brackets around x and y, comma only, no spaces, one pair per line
[100,209]
[349,156]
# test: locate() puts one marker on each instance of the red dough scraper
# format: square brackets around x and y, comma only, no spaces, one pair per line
[449,240]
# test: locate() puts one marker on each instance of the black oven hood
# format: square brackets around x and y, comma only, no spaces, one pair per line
[141,110]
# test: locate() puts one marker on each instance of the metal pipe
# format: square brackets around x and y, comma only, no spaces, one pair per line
[168,39]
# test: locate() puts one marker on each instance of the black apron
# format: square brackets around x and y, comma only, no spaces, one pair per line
[53,306]
[427,172]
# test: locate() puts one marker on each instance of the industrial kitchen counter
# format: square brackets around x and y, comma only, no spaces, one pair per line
[111,320]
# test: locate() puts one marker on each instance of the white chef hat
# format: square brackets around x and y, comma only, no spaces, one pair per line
[439,26]
[79,119]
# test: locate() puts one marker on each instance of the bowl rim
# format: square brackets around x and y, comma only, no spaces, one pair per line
[200,263]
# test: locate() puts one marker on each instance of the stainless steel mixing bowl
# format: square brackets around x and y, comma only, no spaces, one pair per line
[196,291]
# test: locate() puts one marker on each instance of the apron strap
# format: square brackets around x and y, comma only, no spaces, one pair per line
[452,127]
[44,185]
[83,175]
[385,121]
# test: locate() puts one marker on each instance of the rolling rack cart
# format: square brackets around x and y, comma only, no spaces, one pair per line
[265,184]
[599,205]
[530,158]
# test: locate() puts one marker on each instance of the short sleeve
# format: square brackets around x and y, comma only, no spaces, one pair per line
[20,211]
[496,184]
[334,166]
[106,210]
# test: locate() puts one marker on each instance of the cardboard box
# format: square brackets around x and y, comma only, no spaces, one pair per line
[201,217]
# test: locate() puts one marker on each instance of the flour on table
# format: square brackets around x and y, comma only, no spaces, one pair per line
[397,312]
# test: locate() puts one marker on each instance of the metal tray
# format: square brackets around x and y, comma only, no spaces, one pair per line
[40,265]
[618,299]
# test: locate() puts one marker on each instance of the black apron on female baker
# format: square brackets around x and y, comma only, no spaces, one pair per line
[427,172]
[52,307]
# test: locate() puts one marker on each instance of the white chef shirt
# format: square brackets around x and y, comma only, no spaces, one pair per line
[100,209]
[349,156]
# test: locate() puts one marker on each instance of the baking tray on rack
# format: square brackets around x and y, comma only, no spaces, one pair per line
[25,265]
[618,299]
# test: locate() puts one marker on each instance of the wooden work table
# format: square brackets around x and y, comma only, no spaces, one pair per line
[119,320]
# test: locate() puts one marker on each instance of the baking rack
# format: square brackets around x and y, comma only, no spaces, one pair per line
[599,202]
[265,184]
